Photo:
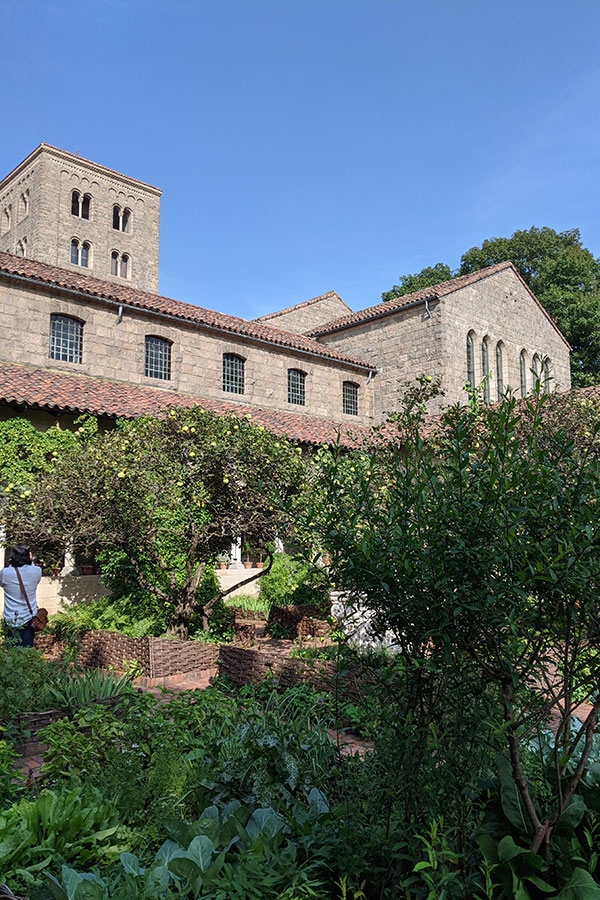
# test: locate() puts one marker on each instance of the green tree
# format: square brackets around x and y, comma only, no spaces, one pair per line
[165,496]
[419,280]
[481,542]
[561,272]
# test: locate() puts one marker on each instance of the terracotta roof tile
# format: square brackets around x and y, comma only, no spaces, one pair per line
[305,303]
[435,292]
[57,391]
[117,293]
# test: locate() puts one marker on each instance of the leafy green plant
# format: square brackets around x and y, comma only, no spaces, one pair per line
[76,689]
[76,826]
[23,676]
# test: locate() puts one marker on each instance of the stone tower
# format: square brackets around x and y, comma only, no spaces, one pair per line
[58,208]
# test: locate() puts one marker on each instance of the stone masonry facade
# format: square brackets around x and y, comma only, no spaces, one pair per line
[339,354]
[36,208]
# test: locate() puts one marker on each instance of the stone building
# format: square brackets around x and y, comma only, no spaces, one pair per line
[85,330]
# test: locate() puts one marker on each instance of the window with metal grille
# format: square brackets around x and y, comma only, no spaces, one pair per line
[233,373]
[66,338]
[296,387]
[350,398]
[158,358]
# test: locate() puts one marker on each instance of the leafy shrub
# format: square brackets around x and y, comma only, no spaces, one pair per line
[277,587]
[24,677]
[74,689]
[76,826]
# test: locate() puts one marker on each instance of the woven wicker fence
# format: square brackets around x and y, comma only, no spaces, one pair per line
[300,621]
[158,657]
[244,666]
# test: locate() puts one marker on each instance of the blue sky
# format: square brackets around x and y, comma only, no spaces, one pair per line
[312,145]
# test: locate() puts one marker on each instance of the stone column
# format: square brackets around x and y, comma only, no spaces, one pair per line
[236,555]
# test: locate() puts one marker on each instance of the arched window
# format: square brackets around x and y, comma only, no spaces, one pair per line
[157,362]
[114,263]
[121,218]
[485,368]
[24,204]
[80,206]
[296,387]
[66,338]
[523,370]
[350,398]
[120,264]
[22,247]
[499,371]
[117,218]
[471,360]
[125,219]
[124,266]
[535,365]
[233,373]
[75,252]
[85,254]
[547,374]
[6,218]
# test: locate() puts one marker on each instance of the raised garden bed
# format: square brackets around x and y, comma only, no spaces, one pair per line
[157,657]
[300,621]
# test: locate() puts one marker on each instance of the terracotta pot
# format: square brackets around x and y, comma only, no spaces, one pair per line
[248,565]
[87,570]
[222,565]
[54,572]
[258,565]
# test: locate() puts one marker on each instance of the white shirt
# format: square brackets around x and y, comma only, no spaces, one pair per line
[16,611]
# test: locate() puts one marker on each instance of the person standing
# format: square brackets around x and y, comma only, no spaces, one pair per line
[20,580]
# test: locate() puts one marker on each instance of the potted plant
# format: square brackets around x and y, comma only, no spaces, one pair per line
[258,555]
[87,569]
[223,559]
[247,550]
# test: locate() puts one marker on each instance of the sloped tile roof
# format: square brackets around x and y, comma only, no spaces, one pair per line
[117,293]
[58,391]
[303,305]
[435,292]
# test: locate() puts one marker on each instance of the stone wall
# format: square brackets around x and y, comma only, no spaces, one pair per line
[402,345]
[51,175]
[117,352]
[308,316]
[501,308]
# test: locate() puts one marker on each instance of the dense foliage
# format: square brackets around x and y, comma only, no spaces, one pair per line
[156,500]
[561,272]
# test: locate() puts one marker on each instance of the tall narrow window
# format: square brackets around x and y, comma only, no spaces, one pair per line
[546,373]
[499,371]
[22,247]
[157,363]
[296,387]
[74,252]
[471,360]
[75,200]
[350,398]
[117,218]
[124,266]
[24,204]
[535,365]
[85,254]
[6,218]
[114,263]
[125,220]
[233,373]
[66,338]
[85,206]
[485,368]
[523,369]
